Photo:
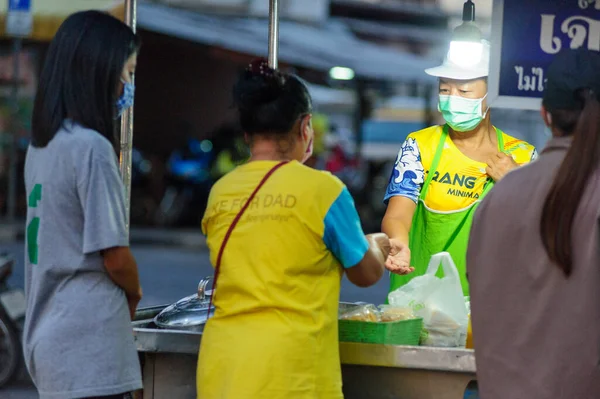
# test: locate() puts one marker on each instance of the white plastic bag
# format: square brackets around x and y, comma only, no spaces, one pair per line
[440,302]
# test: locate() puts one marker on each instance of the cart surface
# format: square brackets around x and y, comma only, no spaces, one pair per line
[369,371]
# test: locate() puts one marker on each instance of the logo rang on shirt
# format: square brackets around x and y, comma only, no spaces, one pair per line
[458,181]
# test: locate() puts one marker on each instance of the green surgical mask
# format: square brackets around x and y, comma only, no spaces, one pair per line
[462,114]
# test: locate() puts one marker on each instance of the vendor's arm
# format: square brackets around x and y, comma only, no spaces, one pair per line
[362,257]
[401,197]
[396,224]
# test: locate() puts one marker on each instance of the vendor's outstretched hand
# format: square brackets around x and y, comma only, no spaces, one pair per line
[499,165]
[398,260]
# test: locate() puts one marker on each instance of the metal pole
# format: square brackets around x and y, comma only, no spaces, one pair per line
[13,140]
[127,124]
[273,33]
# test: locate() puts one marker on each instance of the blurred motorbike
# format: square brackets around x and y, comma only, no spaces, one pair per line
[188,184]
[143,205]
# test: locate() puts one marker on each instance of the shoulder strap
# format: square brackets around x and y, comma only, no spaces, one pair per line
[232,226]
[500,137]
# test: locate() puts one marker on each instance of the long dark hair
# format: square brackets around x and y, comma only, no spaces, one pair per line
[580,162]
[81,74]
[269,101]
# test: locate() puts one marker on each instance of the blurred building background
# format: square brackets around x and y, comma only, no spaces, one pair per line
[363,61]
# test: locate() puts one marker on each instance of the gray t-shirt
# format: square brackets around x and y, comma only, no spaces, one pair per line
[78,340]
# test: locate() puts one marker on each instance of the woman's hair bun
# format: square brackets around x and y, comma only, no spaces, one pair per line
[260,67]
[269,101]
[259,85]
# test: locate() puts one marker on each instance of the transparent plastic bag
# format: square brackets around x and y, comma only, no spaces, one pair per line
[440,302]
[390,313]
[442,330]
[366,312]
[415,293]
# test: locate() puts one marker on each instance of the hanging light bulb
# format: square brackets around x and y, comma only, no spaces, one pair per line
[465,53]
[466,48]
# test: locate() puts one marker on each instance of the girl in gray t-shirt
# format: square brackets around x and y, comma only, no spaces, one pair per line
[81,280]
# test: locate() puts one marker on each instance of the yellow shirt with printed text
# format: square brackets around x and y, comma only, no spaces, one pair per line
[459,180]
[275,331]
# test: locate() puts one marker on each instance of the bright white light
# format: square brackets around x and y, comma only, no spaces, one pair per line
[341,73]
[465,54]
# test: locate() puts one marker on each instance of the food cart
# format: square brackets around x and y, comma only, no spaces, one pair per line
[169,338]
[370,371]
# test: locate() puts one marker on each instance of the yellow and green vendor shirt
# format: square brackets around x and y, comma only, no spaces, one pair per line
[275,331]
[458,181]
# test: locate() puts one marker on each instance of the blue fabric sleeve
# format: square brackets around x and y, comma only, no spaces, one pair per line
[343,234]
[534,155]
[408,174]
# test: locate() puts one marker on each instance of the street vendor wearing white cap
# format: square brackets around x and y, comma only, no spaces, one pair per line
[443,172]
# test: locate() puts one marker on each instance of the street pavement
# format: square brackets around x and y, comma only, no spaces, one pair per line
[168,274]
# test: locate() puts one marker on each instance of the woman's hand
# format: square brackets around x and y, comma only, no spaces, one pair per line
[499,165]
[381,242]
[398,260]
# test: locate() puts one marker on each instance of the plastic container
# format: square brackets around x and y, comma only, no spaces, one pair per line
[404,332]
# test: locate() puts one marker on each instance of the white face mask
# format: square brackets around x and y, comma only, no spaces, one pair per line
[462,114]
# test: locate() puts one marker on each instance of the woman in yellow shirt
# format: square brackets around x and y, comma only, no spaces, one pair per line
[443,172]
[291,233]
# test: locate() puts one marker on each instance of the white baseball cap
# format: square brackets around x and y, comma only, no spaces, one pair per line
[464,61]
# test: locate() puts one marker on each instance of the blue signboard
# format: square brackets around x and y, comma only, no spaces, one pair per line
[526,34]
[19,5]
[19,19]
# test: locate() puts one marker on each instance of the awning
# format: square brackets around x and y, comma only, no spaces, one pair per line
[394,31]
[49,14]
[315,47]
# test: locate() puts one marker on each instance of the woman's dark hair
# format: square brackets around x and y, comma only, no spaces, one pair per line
[269,101]
[81,74]
[580,162]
